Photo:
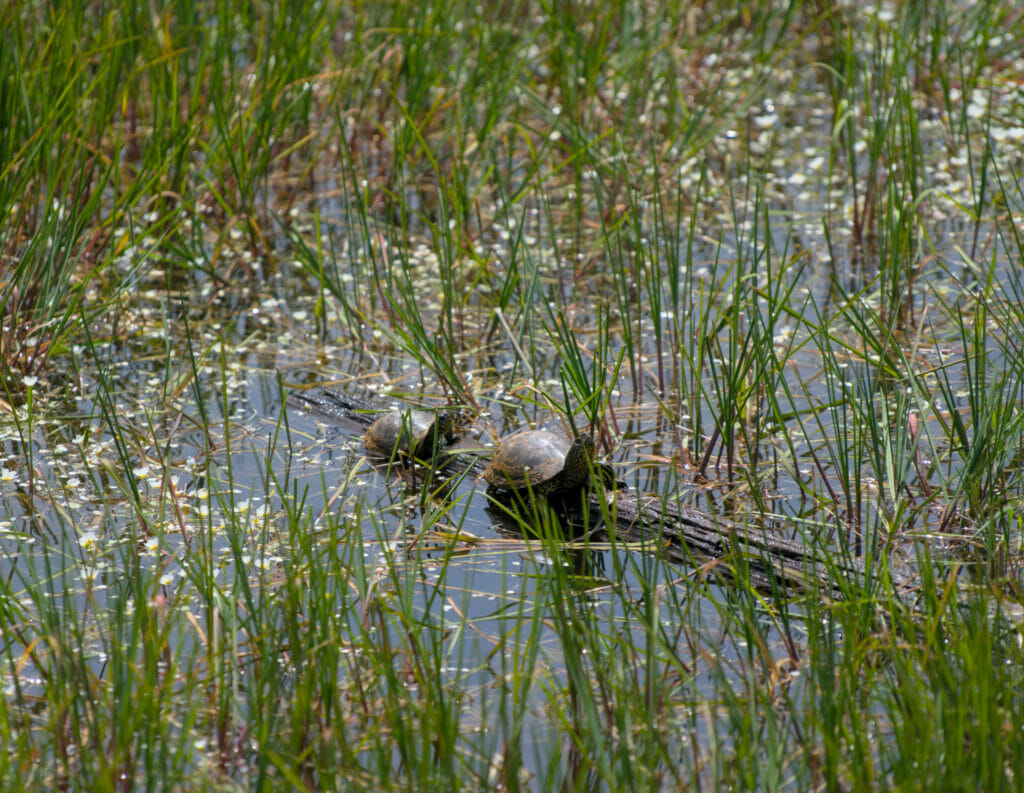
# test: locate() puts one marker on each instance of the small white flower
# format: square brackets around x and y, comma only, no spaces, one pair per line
[29,380]
[89,540]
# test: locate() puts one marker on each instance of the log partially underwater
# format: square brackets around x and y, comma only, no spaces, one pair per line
[722,548]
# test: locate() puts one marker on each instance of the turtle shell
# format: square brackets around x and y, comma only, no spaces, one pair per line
[540,461]
[410,433]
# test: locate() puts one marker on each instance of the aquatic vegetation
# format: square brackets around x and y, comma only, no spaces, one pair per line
[768,254]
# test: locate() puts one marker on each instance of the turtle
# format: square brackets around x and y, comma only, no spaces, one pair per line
[412,433]
[541,462]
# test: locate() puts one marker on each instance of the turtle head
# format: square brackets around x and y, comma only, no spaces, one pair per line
[444,425]
[585,443]
[437,435]
[579,460]
[440,433]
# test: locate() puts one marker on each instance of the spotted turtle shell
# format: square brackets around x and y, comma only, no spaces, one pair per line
[540,461]
[408,432]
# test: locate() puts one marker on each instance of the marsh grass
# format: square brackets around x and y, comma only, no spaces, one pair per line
[786,236]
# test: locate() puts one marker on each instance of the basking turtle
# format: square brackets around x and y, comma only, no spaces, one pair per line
[413,433]
[540,461]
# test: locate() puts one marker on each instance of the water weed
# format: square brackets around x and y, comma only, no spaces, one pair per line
[766,254]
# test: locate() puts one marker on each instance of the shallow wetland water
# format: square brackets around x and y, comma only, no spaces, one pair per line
[775,268]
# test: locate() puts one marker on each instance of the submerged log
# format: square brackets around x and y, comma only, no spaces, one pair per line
[334,406]
[721,548]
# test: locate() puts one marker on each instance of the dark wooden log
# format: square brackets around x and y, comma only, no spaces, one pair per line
[334,406]
[722,548]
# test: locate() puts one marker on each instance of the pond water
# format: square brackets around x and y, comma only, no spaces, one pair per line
[177,451]
[739,350]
